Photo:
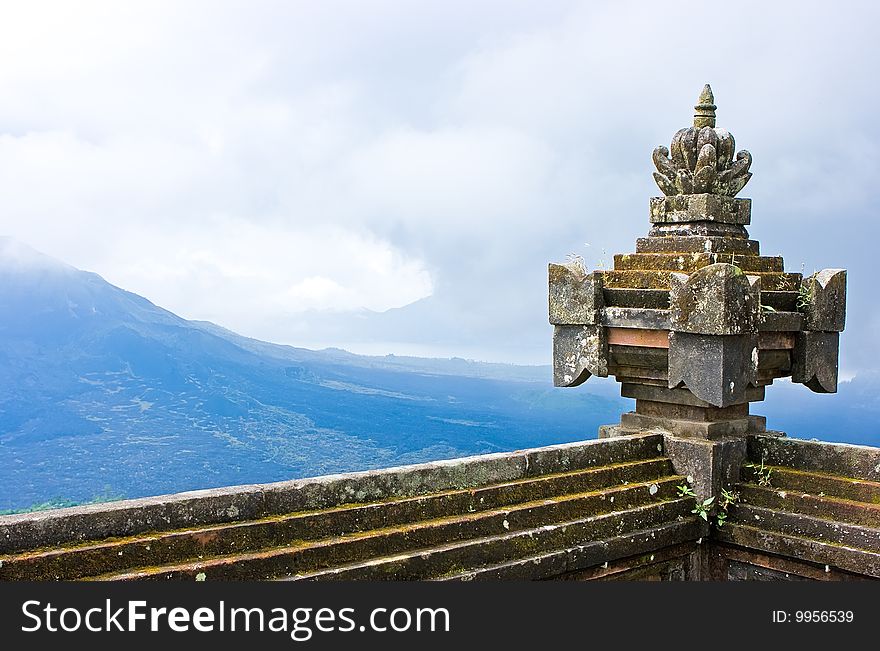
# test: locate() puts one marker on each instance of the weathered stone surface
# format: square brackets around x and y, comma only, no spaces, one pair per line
[781,497]
[575,295]
[685,428]
[691,262]
[700,208]
[641,337]
[716,369]
[712,465]
[824,300]
[612,431]
[652,299]
[775,340]
[697,244]
[716,300]
[856,461]
[814,360]
[779,301]
[450,559]
[699,229]
[862,562]
[659,409]
[635,356]
[775,360]
[809,526]
[339,536]
[626,373]
[600,556]
[678,396]
[758,424]
[781,321]
[635,317]
[578,352]
[812,491]
[217,506]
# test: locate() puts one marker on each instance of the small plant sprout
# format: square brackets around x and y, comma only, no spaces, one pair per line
[685,491]
[763,473]
[728,497]
[702,508]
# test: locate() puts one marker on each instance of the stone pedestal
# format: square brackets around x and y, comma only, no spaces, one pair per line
[696,322]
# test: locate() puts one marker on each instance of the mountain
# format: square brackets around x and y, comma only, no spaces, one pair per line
[102,393]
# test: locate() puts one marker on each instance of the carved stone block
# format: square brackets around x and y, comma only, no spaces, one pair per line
[824,300]
[575,296]
[814,360]
[700,208]
[578,352]
[716,369]
[716,300]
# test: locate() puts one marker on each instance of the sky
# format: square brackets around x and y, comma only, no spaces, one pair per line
[394,177]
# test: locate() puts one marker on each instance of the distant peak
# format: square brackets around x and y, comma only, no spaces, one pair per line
[18,256]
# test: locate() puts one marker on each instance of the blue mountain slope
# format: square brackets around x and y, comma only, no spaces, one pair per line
[103,392]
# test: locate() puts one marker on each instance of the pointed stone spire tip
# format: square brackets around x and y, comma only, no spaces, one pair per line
[704,111]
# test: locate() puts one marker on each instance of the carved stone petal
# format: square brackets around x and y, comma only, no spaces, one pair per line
[575,296]
[725,148]
[826,300]
[814,360]
[717,370]
[718,299]
[578,352]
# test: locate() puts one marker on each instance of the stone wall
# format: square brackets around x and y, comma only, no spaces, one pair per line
[599,510]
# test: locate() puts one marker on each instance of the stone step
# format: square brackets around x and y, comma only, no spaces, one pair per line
[841,459]
[643,279]
[814,527]
[821,506]
[697,244]
[654,299]
[780,301]
[658,299]
[84,524]
[572,559]
[176,546]
[466,555]
[816,483]
[780,321]
[691,262]
[323,555]
[831,555]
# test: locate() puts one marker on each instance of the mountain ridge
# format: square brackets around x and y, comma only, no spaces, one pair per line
[103,392]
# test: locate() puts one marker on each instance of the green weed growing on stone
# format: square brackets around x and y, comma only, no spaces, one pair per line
[685,491]
[728,497]
[703,508]
[805,297]
[763,473]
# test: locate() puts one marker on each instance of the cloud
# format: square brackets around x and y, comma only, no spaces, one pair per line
[279,167]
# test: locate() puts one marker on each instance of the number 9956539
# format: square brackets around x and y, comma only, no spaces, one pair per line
[823,616]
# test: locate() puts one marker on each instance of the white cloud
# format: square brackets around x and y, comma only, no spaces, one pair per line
[252,163]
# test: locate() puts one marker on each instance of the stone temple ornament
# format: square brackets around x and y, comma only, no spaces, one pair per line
[696,322]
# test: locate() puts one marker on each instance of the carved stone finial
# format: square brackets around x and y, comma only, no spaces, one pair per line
[702,159]
[704,115]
